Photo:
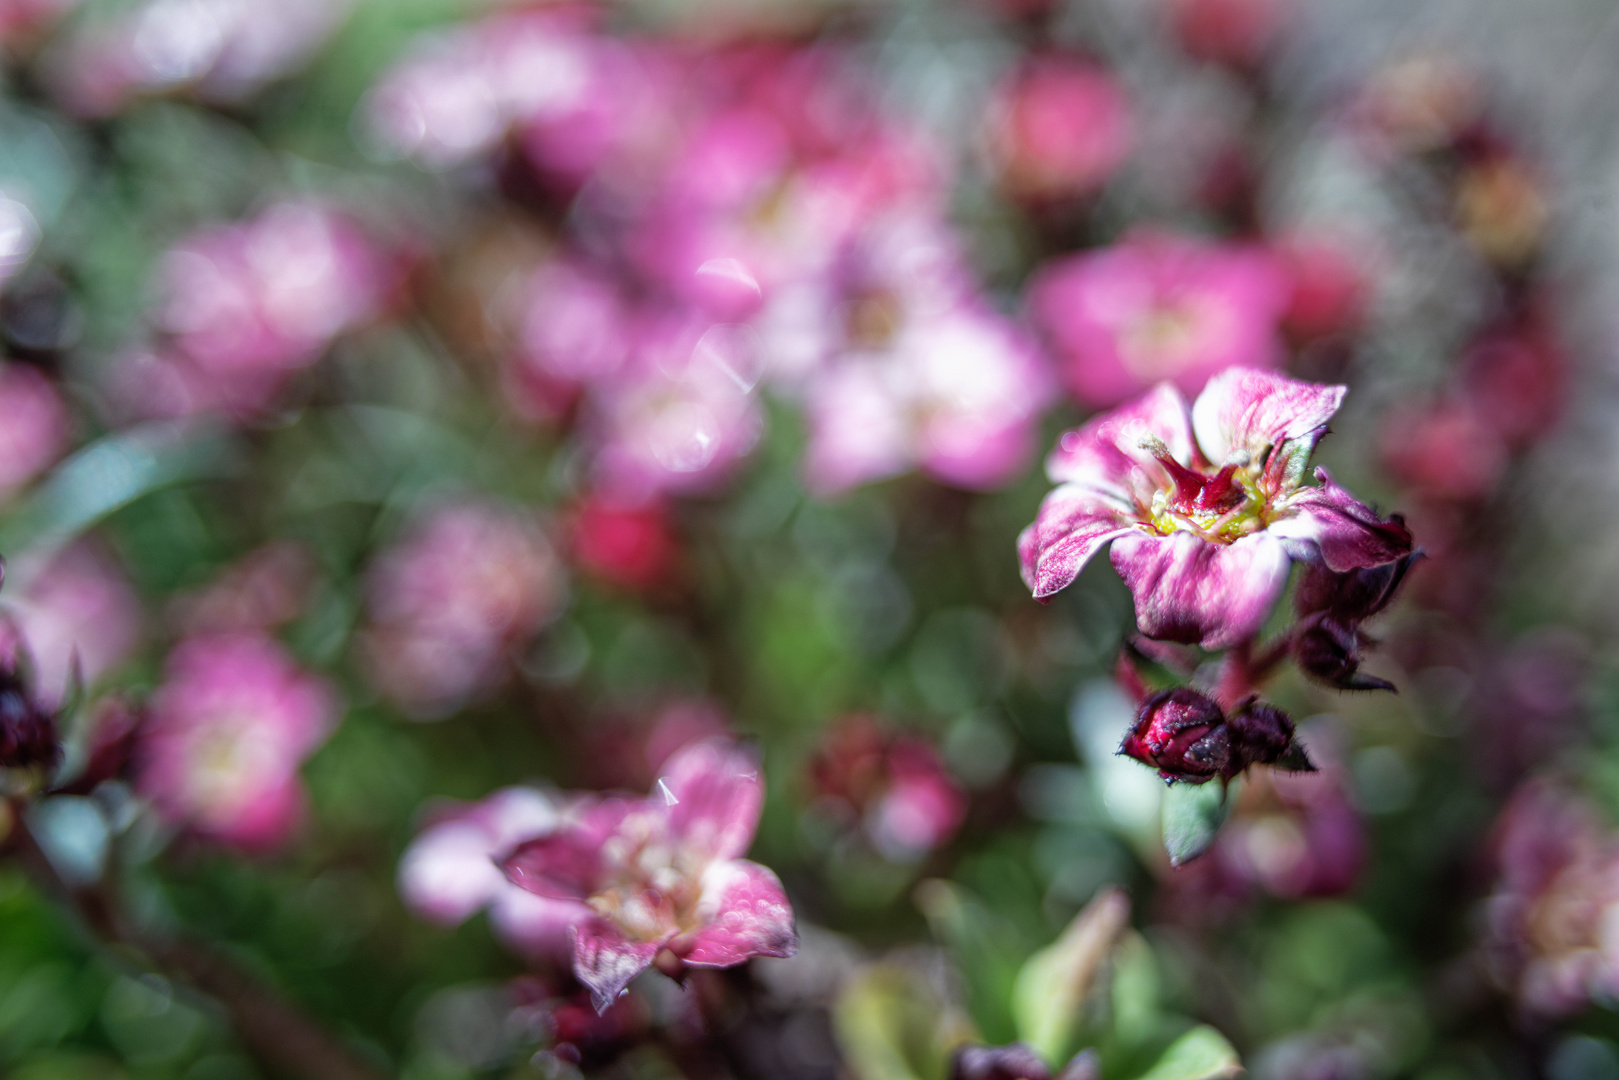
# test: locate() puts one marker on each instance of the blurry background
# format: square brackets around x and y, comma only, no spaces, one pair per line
[411,410]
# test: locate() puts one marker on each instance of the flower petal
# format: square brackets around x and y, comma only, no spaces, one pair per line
[714,794]
[605,960]
[566,864]
[1189,590]
[1107,453]
[1243,411]
[744,912]
[1348,535]
[1073,524]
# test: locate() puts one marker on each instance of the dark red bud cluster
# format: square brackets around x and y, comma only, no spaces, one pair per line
[1185,735]
[1017,1062]
[1329,643]
[28,736]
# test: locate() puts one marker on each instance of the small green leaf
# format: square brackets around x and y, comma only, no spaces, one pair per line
[890,1025]
[1051,989]
[1193,814]
[1200,1054]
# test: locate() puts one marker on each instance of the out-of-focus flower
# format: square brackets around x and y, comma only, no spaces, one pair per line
[1331,286]
[1058,129]
[1516,381]
[572,98]
[449,873]
[1234,32]
[895,786]
[1158,307]
[681,417]
[21,21]
[1205,506]
[78,610]
[1501,208]
[33,426]
[19,236]
[1295,834]
[265,589]
[28,735]
[1553,921]
[246,305]
[467,584]
[1185,736]
[1443,449]
[225,50]
[663,876]
[226,733]
[628,544]
[575,330]
[1416,105]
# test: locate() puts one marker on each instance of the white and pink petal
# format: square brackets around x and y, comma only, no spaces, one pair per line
[713,793]
[1074,523]
[1341,530]
[1110,453]
[1245,412]
[743,911]
[605,960]
[1189,590]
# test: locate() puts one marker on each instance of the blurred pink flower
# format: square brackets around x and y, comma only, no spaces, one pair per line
[1204,507]
[79,607]
[1158,307]
[266,588]
[467,584]
[449,873]
[1331,285]
[225,50]
[226,733]
[894,785]
[21,20]
[1552,936]
[682,415]
[1058,128]
[1234,32]
[33,426]
[628,544]
[1306,840]
[245,305]
[663,876]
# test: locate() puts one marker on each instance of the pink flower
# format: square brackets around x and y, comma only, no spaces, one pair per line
[468,583]
[225,49]
[895,786]
[246,305]
[33,426]
[663,876]
[1234,32]
[449,873]
[628,544]
[1158,307]
[1058,129]
[1204,507]
[227,731]
[79,609]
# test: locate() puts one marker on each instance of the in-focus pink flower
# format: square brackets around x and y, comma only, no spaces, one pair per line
[226,733]
[79,609]
[1058,128]
[449,873]
[663,876]
[469,582]
[1158,307]
[1204,507]
[33,426]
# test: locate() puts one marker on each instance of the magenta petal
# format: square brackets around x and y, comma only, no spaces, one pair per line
[714,793]
[605,960]
[564,865]
[745,913]
[1344,530]
[1192,591]
[1073,524]
[1243,411]
[1107,453]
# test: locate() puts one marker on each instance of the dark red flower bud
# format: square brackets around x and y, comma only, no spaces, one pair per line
[1182,734]
[1352,596]
[1328,651]
[28,735]
[1260,734]
[1014,1062]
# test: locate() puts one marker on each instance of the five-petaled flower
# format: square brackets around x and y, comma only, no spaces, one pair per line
[1205,506]
[662,876]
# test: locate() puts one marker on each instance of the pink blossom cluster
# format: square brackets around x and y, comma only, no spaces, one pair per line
[244,307]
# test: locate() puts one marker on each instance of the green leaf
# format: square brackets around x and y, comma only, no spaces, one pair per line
[890,1025]
[987,949]
[1193,814]
[1200,1054]
[1051,989]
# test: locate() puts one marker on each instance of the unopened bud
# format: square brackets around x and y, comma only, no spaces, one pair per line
[1182,734]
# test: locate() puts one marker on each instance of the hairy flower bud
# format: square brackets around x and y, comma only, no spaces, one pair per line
[1182,734]
[1262,735]
[28,735]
